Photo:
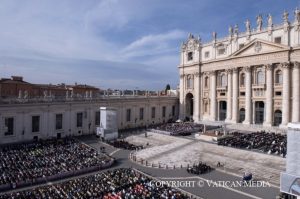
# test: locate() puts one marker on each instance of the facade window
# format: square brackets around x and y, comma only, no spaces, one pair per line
[189,82]
[221,51]
[206,54]
[242,80]
[173,110]
[97,118]
[241,46]
[190,56]
[141,113]
[223,80]
[277,40]
[163,111]
[153,112]
[242,94]
[35,124]
[278,77]
[79,119]
[58,121]
[278,93]
[206,79]
[260,77]
[128,115]
[9,126]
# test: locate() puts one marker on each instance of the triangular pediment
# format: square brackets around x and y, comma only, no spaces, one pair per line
[259,46]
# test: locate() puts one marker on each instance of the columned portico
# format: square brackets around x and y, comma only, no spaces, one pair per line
[248,104]
[269,95]
[229,89]
[234,95]
[286,94]
[213,99]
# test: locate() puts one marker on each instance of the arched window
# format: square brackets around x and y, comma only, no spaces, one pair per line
[223,80]
[242,80]
[278,77]
[206,82]
[260,77]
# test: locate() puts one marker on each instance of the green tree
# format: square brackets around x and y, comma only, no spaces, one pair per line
[168,87]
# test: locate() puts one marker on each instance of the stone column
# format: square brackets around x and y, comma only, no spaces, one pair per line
[196,97]
[181,98]
[235,89]
[248,105]
[200,96]
[296,93]
[213,93]
[229,93]
[269,96]
[285,94]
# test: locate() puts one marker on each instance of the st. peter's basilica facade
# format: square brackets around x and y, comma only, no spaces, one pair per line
[250,77]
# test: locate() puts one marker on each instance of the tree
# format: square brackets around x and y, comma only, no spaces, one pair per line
[168,87]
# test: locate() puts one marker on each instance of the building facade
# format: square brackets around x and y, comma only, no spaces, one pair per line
[27,120]
[250,77]
[16,87]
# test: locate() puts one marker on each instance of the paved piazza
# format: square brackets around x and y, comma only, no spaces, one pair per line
[168,150]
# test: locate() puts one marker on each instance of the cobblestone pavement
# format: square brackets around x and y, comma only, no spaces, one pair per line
[180,151]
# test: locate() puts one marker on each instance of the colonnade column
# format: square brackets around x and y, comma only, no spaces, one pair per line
[248,105]
[196,115]
[269,96]
[234,95]
[285,94]
[296,94]
[229,93]
[213,92]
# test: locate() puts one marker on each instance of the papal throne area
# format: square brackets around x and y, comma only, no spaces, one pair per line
[249,77]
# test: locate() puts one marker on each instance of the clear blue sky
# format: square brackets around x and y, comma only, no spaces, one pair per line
[114,43]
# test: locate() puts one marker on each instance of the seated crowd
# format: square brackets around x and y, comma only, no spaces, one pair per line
[115,184]
[182,128]
[270,143]
[124,145]
[200,168]
[29,161]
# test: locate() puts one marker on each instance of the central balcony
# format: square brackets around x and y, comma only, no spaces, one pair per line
[221,88]
[259,86]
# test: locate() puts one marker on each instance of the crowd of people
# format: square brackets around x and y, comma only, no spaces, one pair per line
[114,184]
[270,143]
[29,161]
[199,168]
[181,128]
[122,144]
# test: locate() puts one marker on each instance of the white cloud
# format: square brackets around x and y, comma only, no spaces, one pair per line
[153,44]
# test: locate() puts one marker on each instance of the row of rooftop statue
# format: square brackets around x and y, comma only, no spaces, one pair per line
[259,24]
[48,94]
